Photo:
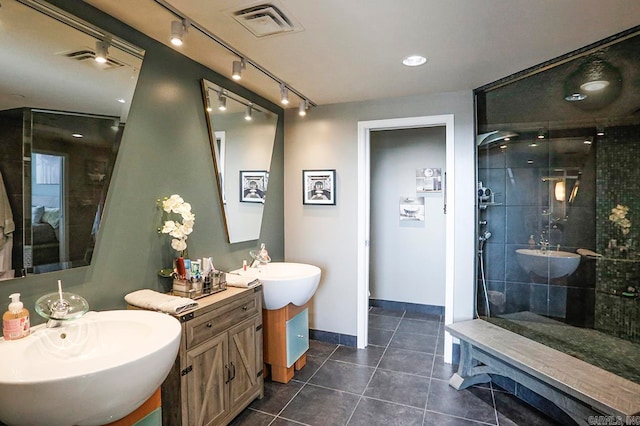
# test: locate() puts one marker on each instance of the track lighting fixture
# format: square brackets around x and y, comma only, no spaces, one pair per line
[302,109]
[238,66]
[222,103]
[178,30]
[209,108]
[183,22]
[284,94]
[102,51]
[247,114]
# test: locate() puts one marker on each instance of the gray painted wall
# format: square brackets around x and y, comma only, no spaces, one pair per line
[165,150]
[327,236]
[407,258]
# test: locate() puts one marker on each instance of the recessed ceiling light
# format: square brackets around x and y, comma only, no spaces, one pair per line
[414,60]
[122,101]
[529,161]
[594,85]
[77,135]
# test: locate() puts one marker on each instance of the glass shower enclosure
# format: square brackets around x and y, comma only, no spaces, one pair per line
[558,230]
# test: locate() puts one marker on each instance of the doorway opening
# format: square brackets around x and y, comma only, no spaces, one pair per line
[49,250]
[364,211]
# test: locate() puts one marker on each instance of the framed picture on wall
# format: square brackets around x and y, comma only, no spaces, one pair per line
[412,209]
[253,185]
[319,187]
[428,180]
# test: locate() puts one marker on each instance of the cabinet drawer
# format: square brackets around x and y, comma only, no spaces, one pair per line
[215,322]
[297,336]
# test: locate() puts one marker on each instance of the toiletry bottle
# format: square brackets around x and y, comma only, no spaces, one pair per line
[532,242]
[15,322]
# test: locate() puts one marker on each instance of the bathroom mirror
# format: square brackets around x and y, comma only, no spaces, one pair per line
[242,135]
[62,115]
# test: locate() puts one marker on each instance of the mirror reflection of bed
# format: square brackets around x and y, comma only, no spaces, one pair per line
[48,246]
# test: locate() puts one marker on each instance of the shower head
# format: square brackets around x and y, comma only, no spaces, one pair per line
[495,136]
[484,236]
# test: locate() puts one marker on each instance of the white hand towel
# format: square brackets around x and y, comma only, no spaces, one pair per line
[149,299]
[234,280]
[587,253]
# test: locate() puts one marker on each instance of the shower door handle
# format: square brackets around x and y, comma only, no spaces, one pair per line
[444,194]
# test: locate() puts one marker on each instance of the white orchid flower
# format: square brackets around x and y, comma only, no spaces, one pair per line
[178,244]
[182,208]
[170,204]
[179,231]
[169,226]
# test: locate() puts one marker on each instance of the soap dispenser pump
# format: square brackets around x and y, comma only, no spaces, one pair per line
[15,322]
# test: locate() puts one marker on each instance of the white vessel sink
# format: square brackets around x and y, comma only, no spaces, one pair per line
[551,264]
[284,283]
[89,371]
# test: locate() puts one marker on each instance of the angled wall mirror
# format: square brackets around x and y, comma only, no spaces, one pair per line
[65,91]
[242,135]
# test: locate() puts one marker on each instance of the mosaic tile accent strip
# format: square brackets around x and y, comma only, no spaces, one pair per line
[618,183]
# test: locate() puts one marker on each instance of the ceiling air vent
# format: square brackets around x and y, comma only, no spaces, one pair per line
[265,19]
[88,54]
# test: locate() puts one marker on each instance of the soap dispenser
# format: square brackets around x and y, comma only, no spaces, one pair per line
[15,322]
[532,242]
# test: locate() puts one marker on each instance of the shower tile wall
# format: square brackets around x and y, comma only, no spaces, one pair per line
[618,180]
[522,209]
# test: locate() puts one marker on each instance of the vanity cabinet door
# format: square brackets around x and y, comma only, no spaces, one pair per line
[207,399]
[245,355]
[297,336]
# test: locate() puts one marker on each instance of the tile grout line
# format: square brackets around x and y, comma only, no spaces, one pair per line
[433,363]
[376,368]
[495,407]
[303,386]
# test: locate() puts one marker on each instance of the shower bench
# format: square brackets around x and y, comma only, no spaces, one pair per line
[590,395]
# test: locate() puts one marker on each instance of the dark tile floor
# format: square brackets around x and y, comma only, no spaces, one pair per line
[399,379]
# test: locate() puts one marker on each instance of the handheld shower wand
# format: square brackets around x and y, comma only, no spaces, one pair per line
[483,239]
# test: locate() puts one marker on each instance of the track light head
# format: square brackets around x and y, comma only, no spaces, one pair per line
[284,94]
[238,66]
[247,114]
[178,30]
[302,108]
[102,51]
[222,103]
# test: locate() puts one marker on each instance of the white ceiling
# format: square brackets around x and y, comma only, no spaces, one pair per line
[351,50]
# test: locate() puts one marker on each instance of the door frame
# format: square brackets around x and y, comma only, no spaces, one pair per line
[364,212]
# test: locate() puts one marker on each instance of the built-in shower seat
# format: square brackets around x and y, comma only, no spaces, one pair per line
[590,395]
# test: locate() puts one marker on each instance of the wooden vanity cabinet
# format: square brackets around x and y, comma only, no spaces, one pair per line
[218,371]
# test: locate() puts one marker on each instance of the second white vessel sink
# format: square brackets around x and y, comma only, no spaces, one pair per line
[551,264]
[285,282]
[90,371]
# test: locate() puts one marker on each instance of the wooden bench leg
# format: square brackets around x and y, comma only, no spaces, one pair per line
[469,372]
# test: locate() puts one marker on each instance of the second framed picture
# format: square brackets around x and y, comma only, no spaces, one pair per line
[319,187]
[253,186]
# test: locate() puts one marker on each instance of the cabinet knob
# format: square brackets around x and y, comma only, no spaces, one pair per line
[209,325]
[245,307]
[300,336]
